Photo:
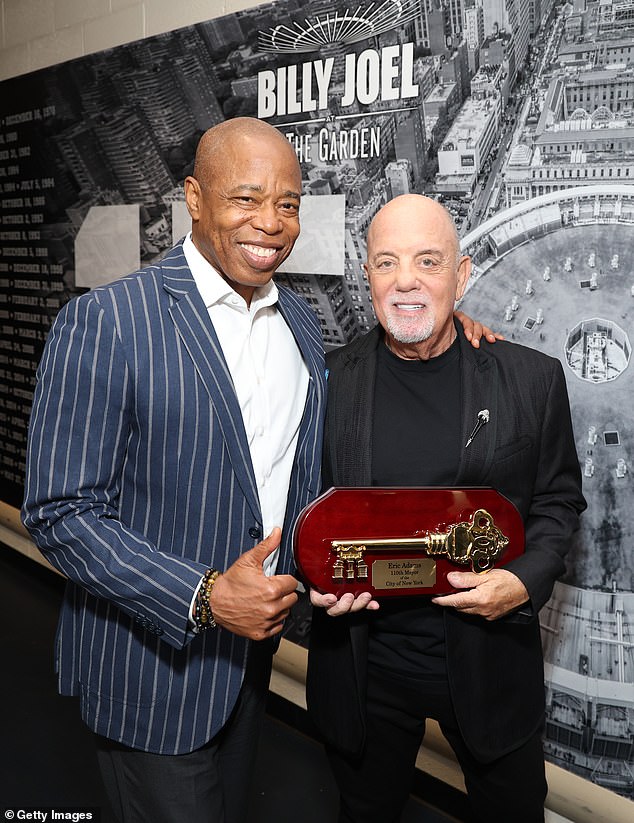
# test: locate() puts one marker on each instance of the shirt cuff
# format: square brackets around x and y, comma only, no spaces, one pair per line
[192,622]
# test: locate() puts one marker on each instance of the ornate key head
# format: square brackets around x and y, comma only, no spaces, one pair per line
[477,543]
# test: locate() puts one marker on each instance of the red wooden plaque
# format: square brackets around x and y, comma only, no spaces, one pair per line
[403,541]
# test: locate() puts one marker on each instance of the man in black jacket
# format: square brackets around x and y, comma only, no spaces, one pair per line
[403,402]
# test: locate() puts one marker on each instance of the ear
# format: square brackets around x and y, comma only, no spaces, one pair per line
[464,272]
[193,197]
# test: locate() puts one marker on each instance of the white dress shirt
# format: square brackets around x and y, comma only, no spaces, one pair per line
[269,376]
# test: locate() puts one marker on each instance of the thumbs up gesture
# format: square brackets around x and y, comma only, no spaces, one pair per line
[247,602]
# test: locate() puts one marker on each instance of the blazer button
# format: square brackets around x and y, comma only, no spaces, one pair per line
[255,533]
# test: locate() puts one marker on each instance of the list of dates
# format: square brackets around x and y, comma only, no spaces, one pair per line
[31,280]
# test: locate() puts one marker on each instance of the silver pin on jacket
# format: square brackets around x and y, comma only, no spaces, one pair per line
[483,417]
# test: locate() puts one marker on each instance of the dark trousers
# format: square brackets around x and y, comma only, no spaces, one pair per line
[209,785]
[374,787]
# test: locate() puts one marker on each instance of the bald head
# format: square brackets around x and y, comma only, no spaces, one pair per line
[248,134]
[244,200]
[410,211]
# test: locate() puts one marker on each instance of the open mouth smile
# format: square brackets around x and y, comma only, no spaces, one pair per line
[262,252]
[409,306]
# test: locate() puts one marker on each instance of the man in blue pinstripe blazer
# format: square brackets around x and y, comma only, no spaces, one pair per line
[166,402]
[176,424]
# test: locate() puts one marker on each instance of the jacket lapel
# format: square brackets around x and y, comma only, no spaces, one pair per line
[353,417]
[310,345]
[479,388]
[191,319]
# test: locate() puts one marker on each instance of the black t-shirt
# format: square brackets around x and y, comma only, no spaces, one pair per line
[416,442]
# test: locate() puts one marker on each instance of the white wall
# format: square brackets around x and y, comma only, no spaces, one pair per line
[35,34]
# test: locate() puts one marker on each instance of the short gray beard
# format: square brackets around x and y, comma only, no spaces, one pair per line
[402,332]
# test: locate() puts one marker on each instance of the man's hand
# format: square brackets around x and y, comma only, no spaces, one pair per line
[246,602]
[491,595]
[474,330]
[346,604]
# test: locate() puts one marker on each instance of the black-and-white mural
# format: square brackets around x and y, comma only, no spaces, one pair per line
[517,114]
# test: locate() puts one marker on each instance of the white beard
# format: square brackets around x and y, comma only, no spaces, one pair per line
[414,330]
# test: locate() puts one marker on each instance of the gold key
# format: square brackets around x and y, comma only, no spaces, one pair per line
[476,543]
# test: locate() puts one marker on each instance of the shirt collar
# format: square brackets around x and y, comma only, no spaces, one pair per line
[215,290]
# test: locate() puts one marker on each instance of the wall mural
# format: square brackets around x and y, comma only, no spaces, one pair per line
[518,116]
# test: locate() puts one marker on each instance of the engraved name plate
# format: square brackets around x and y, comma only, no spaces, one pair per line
[389,575]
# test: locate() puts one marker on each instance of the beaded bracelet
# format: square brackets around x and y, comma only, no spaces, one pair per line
[203,616]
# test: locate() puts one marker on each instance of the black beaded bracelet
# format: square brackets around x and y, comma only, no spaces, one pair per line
[203,616]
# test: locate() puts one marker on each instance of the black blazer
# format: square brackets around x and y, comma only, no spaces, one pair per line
[527,452]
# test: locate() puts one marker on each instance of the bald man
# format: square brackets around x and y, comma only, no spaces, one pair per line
[176,427]
[403,403]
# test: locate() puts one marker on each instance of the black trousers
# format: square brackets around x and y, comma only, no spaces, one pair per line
[209,785]
[374,787]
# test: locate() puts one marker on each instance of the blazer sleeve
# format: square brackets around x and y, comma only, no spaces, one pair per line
[557,499]
[82,410]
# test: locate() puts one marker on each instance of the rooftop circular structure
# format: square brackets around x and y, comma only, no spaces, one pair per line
[597,350]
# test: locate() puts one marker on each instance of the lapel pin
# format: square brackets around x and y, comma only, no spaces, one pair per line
[483,417]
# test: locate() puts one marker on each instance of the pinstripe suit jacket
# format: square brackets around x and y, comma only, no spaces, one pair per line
[139,477]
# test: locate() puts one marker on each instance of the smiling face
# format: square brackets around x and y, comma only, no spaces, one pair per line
[244,204]
[416,274]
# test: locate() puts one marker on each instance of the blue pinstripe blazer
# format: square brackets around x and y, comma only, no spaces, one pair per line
[139,477]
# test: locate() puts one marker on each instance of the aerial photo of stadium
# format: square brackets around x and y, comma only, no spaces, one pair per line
[556,273]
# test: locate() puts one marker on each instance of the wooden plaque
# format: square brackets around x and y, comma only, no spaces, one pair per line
[403,541]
